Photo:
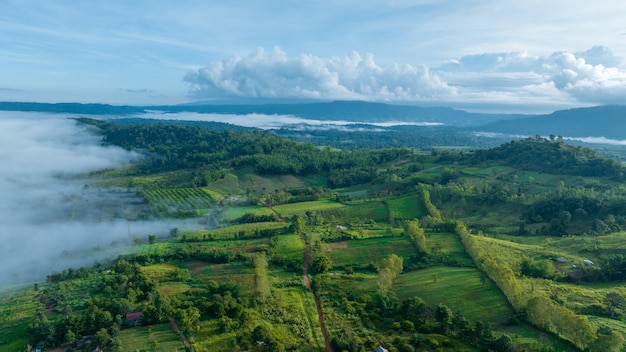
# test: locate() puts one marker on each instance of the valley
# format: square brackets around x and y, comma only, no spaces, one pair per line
[518,247]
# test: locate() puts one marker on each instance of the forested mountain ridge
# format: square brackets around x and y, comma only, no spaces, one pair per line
[178,146]
[353,111]
[600,121]
[551,156]
[72,108]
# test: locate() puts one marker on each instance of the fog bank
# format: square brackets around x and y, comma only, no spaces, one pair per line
[51,218]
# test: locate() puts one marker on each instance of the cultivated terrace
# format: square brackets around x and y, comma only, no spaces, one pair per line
[299,247]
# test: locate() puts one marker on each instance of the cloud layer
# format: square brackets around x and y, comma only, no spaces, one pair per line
[594,76]
[49,219]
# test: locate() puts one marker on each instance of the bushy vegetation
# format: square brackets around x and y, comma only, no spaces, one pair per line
[301,248]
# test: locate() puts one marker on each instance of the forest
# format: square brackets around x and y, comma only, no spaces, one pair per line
[307,247]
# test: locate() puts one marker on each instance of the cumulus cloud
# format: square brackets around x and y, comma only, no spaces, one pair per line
[561,79]
[50,217]
[587,82]
[593,76]
[273,74]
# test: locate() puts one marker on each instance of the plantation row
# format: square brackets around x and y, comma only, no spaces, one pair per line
[185,198]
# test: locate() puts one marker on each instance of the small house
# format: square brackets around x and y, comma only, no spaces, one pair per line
[588,263]
[133,319]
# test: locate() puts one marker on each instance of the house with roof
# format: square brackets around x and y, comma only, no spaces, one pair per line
[133,319]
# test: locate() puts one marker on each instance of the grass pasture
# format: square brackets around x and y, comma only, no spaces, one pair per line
[210,337]
[461,289]
[288,210]
[226,186]
[174,288]
[407,207]
[290,247]
[235,212]
[160,272]
[260,183]
[238,273]
[250,230]
[145,338]
[16,312]
[362,213]
[157,248]
[368,250]
[449,245]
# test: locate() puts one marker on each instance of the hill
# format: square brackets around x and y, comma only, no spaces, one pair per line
[301,248]
[599,121]
[551,156]
[72,108]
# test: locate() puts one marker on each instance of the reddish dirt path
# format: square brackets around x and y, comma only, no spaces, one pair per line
[318,303]
[177,330]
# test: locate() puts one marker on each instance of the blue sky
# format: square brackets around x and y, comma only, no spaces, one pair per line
[479,55]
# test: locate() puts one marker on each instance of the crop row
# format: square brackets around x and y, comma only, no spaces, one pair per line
[179,197]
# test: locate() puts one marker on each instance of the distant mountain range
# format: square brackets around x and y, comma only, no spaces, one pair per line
[601,121]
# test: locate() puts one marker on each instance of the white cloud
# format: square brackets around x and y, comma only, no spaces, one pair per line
[273,74]
[594,76]
[49,220]
[562,79]
[588,82]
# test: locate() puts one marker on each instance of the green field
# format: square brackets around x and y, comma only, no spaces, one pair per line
[461,289]
[185,198]
[368,250]
[364,213]
[288,210]
[16,312]
[448,245]
[290,247]
[250,230]
[407,208]
[234,212]
[146,338]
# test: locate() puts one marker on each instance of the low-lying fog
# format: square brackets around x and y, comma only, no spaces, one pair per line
[268,122]
[50,217]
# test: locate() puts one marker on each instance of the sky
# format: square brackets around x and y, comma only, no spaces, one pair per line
[487,55]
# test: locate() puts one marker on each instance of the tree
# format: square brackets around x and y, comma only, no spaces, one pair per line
[102,338]
[607,341]
[415,233]
[444,316]
[388,269]
[615,303]
[41,331]
[322,263]
[69,337]
[262,285]
[298,224]
[152,239]
[504,344]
